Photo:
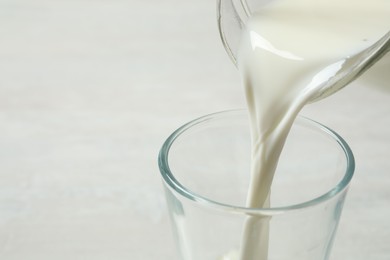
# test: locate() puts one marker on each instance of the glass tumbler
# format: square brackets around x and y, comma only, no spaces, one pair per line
[205,167]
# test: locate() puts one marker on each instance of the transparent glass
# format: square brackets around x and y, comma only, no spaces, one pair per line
[205,166]
[232,15]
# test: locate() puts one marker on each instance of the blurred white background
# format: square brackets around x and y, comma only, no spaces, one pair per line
[89,90]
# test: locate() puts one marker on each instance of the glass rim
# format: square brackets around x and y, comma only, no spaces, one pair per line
[173,183]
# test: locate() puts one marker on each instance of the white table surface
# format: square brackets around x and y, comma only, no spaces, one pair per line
[88,92]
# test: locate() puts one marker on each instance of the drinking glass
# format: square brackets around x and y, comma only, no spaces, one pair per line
[205,167]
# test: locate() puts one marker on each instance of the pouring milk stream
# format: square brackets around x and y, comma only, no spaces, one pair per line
[288,49]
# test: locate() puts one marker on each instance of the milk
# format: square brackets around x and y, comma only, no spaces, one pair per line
[287,50]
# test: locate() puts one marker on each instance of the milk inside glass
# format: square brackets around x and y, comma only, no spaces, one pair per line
[288,49]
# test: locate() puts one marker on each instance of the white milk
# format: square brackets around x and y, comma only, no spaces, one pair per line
[287,50]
